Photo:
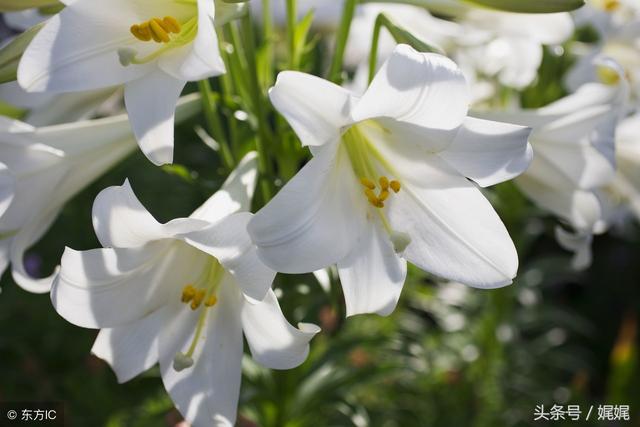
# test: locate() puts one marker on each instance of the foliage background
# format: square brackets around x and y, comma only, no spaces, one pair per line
[447,356]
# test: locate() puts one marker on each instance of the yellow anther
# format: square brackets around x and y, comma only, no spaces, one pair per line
[171,24]
[156,29]
[384,183]
[197,299]
[141,32]
[157,32]
[368,183]
[370,194]
[188,293]
[395,186]
[384,195]
[608,75]
[379,204]
[211,301]
[611,5]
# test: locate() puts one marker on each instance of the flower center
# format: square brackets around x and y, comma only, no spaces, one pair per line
[168,32]
[366,162]
[377,200]
[200,295]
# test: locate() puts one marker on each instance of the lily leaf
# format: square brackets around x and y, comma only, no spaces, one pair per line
[531,6]
[10,54]
[13,5]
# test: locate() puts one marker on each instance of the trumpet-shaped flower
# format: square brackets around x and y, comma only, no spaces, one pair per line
[181,294]
[47,166]
[389,182]
[152,47]
[574,150]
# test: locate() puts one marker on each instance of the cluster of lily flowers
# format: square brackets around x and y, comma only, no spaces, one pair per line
[399,162]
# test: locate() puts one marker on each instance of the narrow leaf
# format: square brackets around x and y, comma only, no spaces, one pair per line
[531,6]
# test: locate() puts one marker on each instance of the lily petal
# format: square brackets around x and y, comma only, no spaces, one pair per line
[372,275]
[200,59]
[7,187]
[151,103]
[30,233]
[274,343]
[581,208]
[95,289]
[207,393]
[420,90]
[454,231]
[315,219]
[236,192]
[121,221]
[132,348]
[489,152]
[229,242]
[315,108]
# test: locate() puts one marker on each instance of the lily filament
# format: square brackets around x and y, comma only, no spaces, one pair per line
[201,294]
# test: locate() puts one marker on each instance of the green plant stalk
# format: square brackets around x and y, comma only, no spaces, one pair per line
[232,123]
[375,40]
[341,40]
[267,33]
[214,125]
[291,32]
[263,137]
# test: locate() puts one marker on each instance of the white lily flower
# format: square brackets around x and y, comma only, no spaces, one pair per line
[186,292]
[624,190]
[500,45]
[388,182]
[512,47]
[619,31]
[152,47]
[574,151]
[48,166]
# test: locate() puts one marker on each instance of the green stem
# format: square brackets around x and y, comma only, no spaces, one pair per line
[269,40]
[335,71]
[263,137]
[373,55]
[214,124]
[291,32]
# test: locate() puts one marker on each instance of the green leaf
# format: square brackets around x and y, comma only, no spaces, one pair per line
[531,6]
[10,54]
[13,112]
[12,5]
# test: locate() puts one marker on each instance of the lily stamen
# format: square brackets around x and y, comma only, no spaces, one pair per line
[188,293]
[197,299]
[156,29]
[377,200]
